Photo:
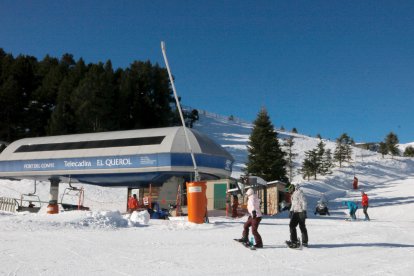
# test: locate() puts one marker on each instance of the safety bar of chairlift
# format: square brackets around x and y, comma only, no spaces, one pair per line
[31,194]
[72,188]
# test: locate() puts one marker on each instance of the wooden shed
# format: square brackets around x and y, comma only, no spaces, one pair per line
[271,196]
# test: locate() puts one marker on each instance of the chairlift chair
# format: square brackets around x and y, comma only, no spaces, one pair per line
[74,192]
[29,197]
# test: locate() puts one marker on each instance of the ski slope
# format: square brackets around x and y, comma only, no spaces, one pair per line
[103,242]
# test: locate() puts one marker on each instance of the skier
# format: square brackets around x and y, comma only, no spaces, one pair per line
[364,203]
[353,207]
[132,203]
[297,216]
[255,216]
[322,206]
[355,183]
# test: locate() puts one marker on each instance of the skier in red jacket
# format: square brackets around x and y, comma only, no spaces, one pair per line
[364,203]
[132,203]
[355,183]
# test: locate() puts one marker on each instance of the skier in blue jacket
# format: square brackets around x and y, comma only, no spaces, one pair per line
[353,207]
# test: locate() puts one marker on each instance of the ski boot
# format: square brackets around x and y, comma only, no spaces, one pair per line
[257,246]
[293,244]
[243,240]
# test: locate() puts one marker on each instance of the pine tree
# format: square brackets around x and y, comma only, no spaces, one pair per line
[327,163]
[290,155]
[18,81]
[306,169]
[320,150]
[9,102]
[391,141]
[93,100]
[51,73]
[311,164]
[145,97]
[190,117]
[317,161]
[53,97]
[63,116]
[265,157]
[383,149]
[409,151]
[343,150]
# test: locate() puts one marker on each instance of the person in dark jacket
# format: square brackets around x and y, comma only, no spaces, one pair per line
[364,203]
[297,216]
[234,206]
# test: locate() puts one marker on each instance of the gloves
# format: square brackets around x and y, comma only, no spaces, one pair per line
[290,214]
[254,214]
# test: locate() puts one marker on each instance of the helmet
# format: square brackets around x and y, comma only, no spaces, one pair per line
[290,188]
[249,192]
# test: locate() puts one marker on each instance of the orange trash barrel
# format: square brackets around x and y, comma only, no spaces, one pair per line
[196,201]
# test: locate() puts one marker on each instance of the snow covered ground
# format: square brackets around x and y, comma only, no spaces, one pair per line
[109,243]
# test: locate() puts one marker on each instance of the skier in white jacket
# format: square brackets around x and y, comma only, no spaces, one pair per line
[255,216]
[297,216]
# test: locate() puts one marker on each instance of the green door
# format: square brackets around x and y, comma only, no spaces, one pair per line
[220,195]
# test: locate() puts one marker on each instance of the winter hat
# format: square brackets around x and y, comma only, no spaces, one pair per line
[249,192]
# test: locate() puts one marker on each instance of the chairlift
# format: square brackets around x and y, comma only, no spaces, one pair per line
[73,192]
[31,198]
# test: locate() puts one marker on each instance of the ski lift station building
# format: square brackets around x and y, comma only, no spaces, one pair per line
[133,158]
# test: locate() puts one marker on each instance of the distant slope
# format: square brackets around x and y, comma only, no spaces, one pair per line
[371,169]
[402,147]
[233,134]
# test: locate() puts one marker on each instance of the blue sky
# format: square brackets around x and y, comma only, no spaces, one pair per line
[323,67]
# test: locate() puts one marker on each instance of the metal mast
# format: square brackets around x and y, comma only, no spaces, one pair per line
[196,175]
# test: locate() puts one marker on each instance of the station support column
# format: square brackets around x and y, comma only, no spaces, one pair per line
[53,208]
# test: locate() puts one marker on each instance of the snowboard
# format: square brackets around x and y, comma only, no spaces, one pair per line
[288,244]
[246,244]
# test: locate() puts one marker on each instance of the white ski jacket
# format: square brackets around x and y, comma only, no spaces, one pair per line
[253,204]
[299,203]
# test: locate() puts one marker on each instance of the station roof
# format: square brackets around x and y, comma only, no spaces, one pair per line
[116,158]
